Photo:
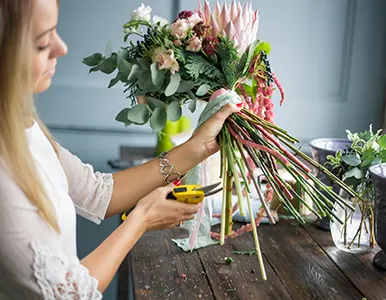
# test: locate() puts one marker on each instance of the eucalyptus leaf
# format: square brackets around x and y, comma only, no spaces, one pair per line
[203,90]
[145,83]
[114,81]
[122,64]
[352,160]
[157,75]
[108,65]
[122,116]
[174,83]
[133,76]
[93,60]
[153,103]
[108,50]
[158,119]
[192,105]
[138,114]
[185,86]
[174,111]
[144,63]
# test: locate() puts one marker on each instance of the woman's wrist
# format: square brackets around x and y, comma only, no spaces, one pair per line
[137,220]
[195,150]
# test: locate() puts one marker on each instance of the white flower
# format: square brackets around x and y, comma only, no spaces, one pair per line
[162,22]
[141,13]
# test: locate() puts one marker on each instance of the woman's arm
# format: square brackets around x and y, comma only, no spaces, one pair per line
[132,184]
[153,212]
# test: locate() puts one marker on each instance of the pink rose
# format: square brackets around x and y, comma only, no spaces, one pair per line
[179,28]
[165,59]
[194,44]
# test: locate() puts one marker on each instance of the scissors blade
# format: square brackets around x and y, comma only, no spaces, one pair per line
[213,192]
[207,189]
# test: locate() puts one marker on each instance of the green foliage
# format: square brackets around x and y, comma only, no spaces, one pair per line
[228,59]
[352,164]
[158,119]
[198,75]
[197,65]
[174,111]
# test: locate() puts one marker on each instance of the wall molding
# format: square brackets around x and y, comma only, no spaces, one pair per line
[348,49]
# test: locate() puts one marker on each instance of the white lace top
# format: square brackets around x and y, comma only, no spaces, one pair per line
[35,262]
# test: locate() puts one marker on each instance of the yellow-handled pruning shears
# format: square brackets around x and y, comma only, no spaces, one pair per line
[191,194]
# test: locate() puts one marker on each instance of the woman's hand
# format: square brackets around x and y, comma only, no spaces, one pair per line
[205,136]
[160,213]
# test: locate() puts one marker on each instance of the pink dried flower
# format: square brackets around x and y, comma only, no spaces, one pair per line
[200,29]
[185,14]
[165,59]
[194,20]
[209,45]
[194,44]
[179,28]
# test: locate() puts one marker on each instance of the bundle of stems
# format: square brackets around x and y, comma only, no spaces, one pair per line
[270,148]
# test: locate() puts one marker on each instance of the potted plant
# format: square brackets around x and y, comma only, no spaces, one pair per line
[357,233]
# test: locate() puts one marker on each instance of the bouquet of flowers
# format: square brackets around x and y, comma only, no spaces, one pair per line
[215,57]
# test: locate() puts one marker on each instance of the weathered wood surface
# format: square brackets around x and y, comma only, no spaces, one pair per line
[300,264]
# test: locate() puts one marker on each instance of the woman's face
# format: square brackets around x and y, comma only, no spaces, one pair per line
[48,46]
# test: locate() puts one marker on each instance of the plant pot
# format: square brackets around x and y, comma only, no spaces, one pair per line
[357,234]
[378,176]
[320,149]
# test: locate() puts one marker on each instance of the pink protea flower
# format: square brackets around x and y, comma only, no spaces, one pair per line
[238,23]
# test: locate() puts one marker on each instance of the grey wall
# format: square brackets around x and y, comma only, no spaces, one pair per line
[329,55]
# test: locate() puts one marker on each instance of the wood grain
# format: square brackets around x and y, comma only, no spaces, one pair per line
[305,270]
[158,267]
[370,280]
[241,279]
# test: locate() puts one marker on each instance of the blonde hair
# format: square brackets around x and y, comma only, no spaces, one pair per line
[17,105]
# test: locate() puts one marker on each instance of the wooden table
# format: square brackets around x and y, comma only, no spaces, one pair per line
[300,264]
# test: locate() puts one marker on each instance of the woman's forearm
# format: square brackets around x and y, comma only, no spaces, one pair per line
[133,184]
[105,260]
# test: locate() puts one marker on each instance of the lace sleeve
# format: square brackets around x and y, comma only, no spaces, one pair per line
[35,262]
[58,278]
[91,191]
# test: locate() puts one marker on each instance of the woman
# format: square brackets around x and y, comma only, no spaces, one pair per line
[43,186]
